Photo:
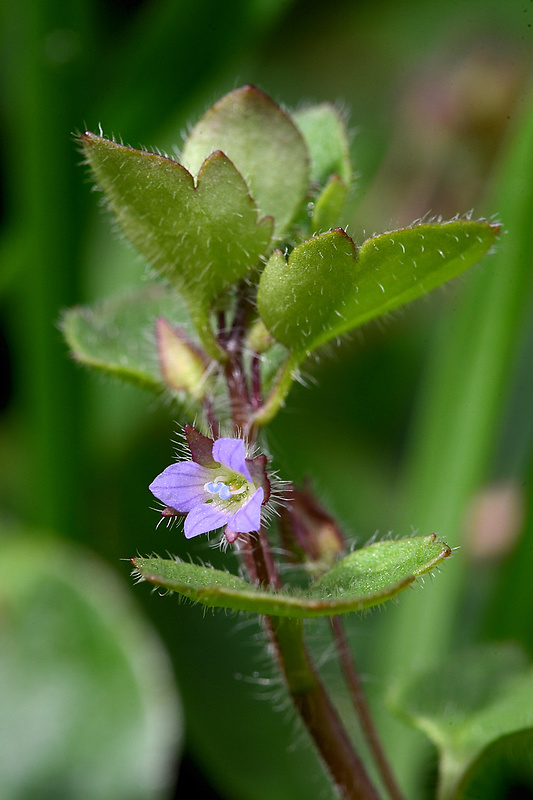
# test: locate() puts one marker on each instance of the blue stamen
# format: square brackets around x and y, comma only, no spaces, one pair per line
[222,489]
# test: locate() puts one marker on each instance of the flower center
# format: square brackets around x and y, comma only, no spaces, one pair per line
[222,489]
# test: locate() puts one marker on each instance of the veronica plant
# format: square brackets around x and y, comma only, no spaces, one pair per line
[242,231]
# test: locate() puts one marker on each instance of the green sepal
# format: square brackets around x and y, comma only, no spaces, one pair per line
[202,237]
[367,577]
[325,134]
[466,705]
[183,366]
[119,337]
[326,289]
[264,144]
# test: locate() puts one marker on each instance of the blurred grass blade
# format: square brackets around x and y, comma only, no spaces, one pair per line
[461,409]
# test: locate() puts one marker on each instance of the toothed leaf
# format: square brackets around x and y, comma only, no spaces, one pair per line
[327,289]
[264,144]
[119,336]
[202,237]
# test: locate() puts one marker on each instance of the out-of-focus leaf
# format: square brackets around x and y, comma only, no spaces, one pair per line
[325,134]
[463,395]
[466,704]
[118,336]
[329,204]
[89,708]
[367,577]
[264,144]
[327,288]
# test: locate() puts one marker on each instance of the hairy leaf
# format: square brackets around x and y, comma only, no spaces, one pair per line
[466,705]
[203,237]
[327,289]
[365,578]
[264,144]
[119,337]
[324,131]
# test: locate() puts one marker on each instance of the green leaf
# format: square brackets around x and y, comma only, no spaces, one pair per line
[299,301]
[89,708]
[326,289]
[119,336]
[324,131]
[264,144]
[365,578]
[203,238]
[466,704]
[329,205]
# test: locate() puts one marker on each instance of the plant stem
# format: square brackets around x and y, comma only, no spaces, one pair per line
[308,693]
[362,709]
[317,711]
[256,381]
[258,559]
[241,406]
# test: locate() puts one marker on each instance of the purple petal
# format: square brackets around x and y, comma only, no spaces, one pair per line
[248,518]
[204,518]
[181,486]
[232,454]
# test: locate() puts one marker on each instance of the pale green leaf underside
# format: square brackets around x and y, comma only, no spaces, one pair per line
[467,704]
[326,289]
[365,578]
[325,134]
[264,144]
[118,336]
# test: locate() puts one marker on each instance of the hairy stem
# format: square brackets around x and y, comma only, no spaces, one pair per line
[258,559]
[362,709]
[308,693]
[317,711]
[241,405]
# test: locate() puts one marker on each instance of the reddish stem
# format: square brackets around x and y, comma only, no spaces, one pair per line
[308,693]
[318,713]
[361,706]
[256,381]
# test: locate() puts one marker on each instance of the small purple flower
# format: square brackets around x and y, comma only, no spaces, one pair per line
[218,487]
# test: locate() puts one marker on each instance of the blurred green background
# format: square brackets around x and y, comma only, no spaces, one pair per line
[423,422]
